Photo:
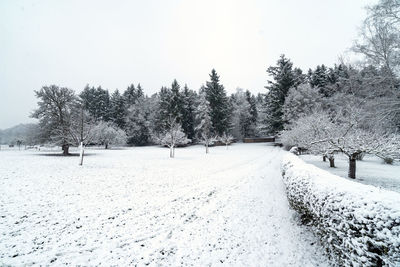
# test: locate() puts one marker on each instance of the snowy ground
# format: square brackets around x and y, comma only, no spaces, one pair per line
[370,170]
[137,206]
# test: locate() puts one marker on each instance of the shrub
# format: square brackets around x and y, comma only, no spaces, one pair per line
[358,224]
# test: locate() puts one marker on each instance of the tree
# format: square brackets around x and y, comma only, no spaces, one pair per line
[219,105]
[241,116]
[188,112]
[227,139]
[380,36]
[132,94]
[117,109]
[106,133]
[301,101]
[310,133]
[81,124]
[251,129]
[137,122]
[204,126]
[97,102]
[284,78]
[173,136]
[54,114]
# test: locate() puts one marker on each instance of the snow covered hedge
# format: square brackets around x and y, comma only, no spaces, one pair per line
[359,225]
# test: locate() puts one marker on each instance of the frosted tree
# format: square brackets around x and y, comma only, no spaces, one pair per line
[137,122]
[219,104]
[226,139]
[301,101]
[242,119]
[81,124]
[204,126]
[54,114]
[107,133]
[172,137]
[188,111]
[284,77]
[117,109]
[311,132]
[97,102]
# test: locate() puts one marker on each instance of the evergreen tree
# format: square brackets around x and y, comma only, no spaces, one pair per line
[175,102]
[97,102]
[251,99]
[188,111]
[284,77]
[132,94]
[219,105]
[117,109]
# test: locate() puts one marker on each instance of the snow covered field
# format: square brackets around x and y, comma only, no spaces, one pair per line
[370,170]
[137,206]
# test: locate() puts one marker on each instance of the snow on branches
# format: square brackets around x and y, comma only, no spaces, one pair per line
[172,137]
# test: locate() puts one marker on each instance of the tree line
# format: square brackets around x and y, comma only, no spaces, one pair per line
[173,116]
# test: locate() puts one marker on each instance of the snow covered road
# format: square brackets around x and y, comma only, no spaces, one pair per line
[138,207]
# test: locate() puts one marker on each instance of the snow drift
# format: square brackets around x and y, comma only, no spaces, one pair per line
[358,224]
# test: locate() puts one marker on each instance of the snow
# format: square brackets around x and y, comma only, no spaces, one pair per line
[370,170]
[138,206]
[359,224]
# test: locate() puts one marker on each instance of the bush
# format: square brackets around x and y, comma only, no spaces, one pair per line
[388,160]
[358,224]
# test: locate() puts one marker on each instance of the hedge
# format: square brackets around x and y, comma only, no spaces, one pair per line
[359,225]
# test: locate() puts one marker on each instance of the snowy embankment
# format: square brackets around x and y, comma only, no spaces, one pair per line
[137,207]
[359,224]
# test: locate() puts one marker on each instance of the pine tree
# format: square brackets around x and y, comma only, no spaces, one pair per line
[188,111]
[251,99]
[284,77]
[175,102]
[117,109]
[97,102]
[216,96]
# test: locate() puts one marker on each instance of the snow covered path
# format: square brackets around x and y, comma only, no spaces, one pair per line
[138,207]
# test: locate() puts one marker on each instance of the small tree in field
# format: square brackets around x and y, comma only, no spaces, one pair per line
[107,133]
[173,136]
[227,139]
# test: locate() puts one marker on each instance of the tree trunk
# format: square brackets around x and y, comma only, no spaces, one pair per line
[331,162]
[206,148]
[324,158]
[106,145]
[352,167]
[65,148]
[226,146]
[81,154]
[171,152]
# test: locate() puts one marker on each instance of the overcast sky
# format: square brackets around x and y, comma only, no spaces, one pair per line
[116,43]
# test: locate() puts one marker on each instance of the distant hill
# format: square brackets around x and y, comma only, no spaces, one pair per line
[21,132]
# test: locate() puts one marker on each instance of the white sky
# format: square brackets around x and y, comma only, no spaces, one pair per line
[115,43]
